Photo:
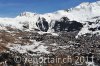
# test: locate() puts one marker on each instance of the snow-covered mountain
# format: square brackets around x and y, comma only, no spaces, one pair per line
[84,19]
[72,19]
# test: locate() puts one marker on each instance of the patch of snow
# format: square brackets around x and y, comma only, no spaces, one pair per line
[53,34]
[91,64]
[54,44]
[35,47]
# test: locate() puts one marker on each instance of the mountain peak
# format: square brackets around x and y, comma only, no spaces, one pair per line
[84,4]
[27,14]
[98,2]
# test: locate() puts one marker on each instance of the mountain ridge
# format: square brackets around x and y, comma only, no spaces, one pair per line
[81,14]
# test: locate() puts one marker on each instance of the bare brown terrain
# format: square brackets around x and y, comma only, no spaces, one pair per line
[83,46]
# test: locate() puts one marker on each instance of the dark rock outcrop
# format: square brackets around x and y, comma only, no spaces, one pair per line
[60,25]
[42,24]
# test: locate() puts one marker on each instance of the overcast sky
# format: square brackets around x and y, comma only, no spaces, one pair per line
[12,8]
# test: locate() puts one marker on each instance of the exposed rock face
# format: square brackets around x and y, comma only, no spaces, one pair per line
[42,24]
[67,26]
[59,25]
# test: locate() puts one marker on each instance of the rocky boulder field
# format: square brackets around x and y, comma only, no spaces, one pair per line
[62,44]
